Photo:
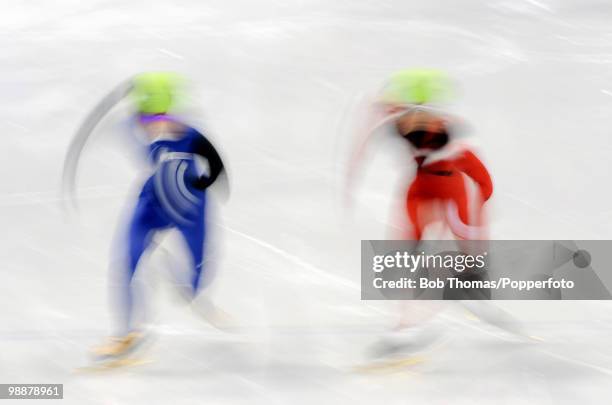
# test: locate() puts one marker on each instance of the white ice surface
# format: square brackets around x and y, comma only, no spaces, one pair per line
[278,83]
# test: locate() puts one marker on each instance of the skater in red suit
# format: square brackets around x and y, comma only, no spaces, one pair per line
[444,167]
[450,185]
[439,183]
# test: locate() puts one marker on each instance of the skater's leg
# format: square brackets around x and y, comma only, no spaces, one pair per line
[413,205]
[194,235]
[413,331]
[477,301]
[202,304]
[494,315]
[143,224]
[422,212]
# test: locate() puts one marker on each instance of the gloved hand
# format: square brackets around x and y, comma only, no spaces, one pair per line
[201,183]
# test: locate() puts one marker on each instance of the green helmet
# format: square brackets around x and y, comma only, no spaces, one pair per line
[417,86]
[156,92]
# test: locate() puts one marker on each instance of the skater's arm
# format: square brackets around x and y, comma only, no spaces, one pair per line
[204,148]
[374,119]
[85,130]
[473,167]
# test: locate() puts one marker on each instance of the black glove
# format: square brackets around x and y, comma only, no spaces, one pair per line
[201,183]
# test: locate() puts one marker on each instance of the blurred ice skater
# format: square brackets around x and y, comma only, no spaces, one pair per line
[173,197]
[438,192]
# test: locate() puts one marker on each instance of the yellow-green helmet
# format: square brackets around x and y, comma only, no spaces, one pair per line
[156,92]
[417,86]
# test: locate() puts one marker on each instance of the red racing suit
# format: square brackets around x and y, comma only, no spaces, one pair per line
[440,177]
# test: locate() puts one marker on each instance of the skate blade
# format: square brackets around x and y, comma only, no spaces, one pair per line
[113,364]
[392,365]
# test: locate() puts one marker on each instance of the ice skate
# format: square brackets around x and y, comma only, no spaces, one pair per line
[213,315]
[119,347]
[403,347]
[407,341]
[490,314]
[117,352]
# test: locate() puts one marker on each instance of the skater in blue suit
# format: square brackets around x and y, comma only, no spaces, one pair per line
[174,196]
